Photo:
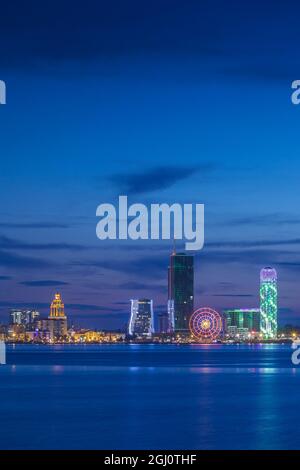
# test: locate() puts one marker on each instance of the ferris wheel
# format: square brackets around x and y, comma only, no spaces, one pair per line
[206,324]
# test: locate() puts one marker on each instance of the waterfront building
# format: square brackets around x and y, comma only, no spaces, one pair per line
[15,317]
[2,353]
[163,323]
[57,320]
[170,314]
[181,289]
[247,319]
[268,302]
[23,317]
[141,319]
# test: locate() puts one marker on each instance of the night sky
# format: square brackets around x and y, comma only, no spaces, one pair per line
[190,97]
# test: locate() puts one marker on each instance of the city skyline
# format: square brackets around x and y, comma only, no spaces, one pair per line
[183,113]
[175,315]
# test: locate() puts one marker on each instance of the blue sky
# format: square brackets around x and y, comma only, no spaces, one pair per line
[192,98]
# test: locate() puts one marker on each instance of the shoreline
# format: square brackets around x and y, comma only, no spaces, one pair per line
[153,343]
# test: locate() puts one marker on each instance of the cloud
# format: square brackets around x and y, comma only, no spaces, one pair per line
[68,307]
[63,30]
[292,265]
[7,243]
[148,267]
[87,307]
[33,225]
[192,32]
[135,286]
[29,305]
[12,260]
[253,244]
[92,316]
[264,219]
[5,278]
[158,178]
[44,283]
[232,295]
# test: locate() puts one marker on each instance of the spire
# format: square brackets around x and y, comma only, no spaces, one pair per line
[57,308]
[174,247]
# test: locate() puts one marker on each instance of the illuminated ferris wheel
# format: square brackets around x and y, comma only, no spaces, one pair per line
[206,324]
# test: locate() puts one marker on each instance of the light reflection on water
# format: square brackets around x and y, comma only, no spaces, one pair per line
[159,397]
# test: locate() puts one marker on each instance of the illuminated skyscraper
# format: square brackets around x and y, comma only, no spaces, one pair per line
[242,320]
[181,289]
[268,302]
[23,317]
[141,319]
[57,320]
[2,352]
[57,308]
[171,325]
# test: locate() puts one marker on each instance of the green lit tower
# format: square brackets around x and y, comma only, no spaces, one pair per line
[268,302]
[181,289]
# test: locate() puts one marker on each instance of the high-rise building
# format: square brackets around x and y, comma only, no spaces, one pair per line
[171,320]
[163,323]
[141,319]
[181,289]
[242,319]
[23,317]
[268,302]
[57,320]
[2,352]
[16,317]
[57,307]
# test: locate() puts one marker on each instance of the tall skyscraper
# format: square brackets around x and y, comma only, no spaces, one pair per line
[181,289]
[170,314]
[268,302]
[141,319]
[57,320]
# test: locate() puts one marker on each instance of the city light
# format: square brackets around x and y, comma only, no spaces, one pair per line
[268,302]
[178,324]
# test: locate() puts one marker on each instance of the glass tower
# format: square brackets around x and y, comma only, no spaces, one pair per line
[268,302]
[181,289]
[248,318]
[141,318]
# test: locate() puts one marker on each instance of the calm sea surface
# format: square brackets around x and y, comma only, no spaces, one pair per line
[149,397]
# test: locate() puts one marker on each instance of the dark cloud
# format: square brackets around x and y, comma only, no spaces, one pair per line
[232,295]
[137,286]
[15,261]
[264,219]
[148,267]
[7,243]
[87,307]
[159,178]
[292,265]
[94,316]
[5,278]
[44,283]
[253,243]
[230,33]
[33,225]
[29,305]
[68,307]
[58,31]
